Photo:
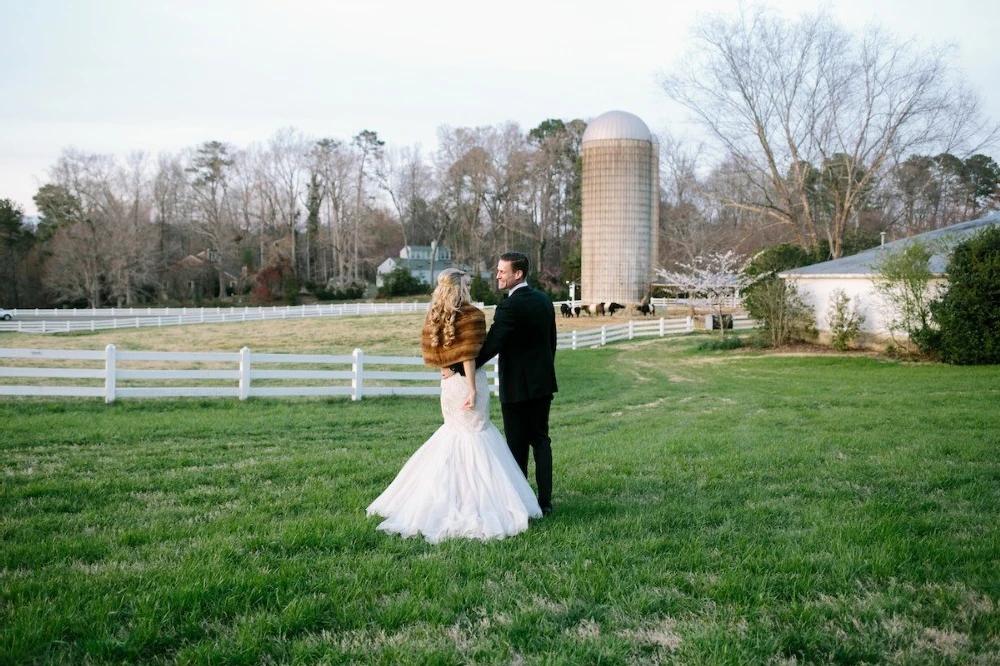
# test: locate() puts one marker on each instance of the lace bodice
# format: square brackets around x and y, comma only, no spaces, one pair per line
[453,392]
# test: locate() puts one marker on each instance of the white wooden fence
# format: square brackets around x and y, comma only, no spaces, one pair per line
[729,302]
[596,337]
[66,321]
[114,374]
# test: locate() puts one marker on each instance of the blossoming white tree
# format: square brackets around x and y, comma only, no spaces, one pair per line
[717,276]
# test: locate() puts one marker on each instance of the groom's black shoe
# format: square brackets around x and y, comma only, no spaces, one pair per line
[546,510]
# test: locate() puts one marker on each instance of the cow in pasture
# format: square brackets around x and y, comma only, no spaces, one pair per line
[614,307]
[565,310]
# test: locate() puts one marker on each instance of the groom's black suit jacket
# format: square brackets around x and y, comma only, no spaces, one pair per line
[524,334]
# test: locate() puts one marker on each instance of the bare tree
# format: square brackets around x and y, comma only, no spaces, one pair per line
[130,245]
[461,165]
[555,176]
[333,164]
[508,196]
[210,170]
[368,150]
[80,252]
[685,230]
[171,209]
[407,179]
[812,116]
[288,153]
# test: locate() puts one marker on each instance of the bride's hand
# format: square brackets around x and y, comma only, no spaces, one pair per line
[470,401]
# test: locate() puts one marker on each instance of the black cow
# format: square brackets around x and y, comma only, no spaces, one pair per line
[647,309]
[565,310]
[615,307]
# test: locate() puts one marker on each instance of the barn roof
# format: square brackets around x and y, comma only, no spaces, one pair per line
[862,264]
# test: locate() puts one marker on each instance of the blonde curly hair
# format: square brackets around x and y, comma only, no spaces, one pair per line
[451,293]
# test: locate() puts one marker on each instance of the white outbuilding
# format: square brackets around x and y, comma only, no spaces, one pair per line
[855,275]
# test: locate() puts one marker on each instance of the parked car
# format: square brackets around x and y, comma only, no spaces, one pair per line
[6,315]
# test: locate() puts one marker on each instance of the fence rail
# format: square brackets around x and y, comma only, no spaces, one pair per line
[66,321]
[98,319]
[113,374]
[726,302]
[629,330]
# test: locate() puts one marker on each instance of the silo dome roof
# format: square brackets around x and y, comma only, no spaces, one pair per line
[617,125]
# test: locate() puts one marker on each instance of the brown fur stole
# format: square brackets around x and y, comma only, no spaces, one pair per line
[470,332]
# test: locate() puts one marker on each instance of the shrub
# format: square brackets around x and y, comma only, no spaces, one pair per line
[350,292]
[845,320]
[481,291]
[292,291]
[770,300]
[780,310]
[777,258]
[721,344]
[969,312]
[277,278]
[401,283]
[904,281]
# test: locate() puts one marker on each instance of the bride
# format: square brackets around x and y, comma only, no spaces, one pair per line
[463,482]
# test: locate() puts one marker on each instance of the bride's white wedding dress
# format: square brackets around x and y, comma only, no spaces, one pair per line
[463,482]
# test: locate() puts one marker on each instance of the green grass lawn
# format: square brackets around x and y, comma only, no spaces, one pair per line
[710,508]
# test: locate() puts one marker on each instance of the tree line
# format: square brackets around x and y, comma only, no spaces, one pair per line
[813,135]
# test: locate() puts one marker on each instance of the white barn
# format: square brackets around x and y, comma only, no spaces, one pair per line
[854,275]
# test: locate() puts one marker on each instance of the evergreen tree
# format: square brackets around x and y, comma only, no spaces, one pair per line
[969,313]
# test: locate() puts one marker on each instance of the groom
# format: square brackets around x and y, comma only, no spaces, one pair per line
[524,334]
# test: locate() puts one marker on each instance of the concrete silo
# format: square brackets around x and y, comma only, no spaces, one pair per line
[621,194]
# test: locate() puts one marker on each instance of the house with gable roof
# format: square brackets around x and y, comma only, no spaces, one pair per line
[418,260]
[855,276]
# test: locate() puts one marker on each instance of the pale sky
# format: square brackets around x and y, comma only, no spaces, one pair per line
[118,76]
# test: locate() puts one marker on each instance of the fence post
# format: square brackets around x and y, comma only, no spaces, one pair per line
[357,387]
[662,327]
[631,329]
[244,373]
[708,322]
[689,322]
[110,368]
[604,335]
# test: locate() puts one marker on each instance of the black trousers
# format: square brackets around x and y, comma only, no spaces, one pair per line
[526,425]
